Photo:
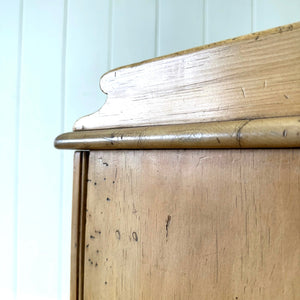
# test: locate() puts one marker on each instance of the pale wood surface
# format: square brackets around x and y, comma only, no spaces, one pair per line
[78,224]
[205,224]
[75,226]
[253,76]
[259,133]
[193,224]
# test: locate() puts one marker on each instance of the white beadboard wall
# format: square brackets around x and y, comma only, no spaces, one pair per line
[52,54]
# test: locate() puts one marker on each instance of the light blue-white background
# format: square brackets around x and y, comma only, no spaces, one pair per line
[52,54]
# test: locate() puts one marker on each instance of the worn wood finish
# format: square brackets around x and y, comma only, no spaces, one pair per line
[254,76]
[193,224]
[78,224]
[260,133]
[75,226]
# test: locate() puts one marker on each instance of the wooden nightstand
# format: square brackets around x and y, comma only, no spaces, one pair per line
[179,192]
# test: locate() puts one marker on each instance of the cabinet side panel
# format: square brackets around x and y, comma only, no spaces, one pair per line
[78,223]
[75,225]
[194,224]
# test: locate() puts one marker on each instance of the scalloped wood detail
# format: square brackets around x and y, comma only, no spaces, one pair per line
[253,76]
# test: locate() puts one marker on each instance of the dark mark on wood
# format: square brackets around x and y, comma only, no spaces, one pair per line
[118,234]
[135,236]
[107,199]
[95,183]
[284,133]
[87,245]
[286,96]
[218,140]
[238,133]
[97,251]
[105,282]
[96,264]
[92,237]
[168,220]
[103,162]
[98,231]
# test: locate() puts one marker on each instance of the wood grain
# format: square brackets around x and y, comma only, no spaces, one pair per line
[75,226]
[194,224]
[260,133]
[78,224]
[253,76]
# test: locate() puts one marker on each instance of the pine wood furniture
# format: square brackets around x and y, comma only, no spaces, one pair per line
[187,180]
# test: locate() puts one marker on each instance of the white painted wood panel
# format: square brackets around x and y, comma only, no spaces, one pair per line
[39,202]
[227,19]
[180,25]
[272,13]
[9,58]
[133,31]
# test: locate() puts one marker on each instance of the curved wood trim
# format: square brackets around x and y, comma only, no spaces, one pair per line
[283,132]
[250,77]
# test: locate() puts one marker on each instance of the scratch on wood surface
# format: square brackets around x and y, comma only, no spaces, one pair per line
[284,133]
[167,225]
[238,133]
[201,158]
[243,91]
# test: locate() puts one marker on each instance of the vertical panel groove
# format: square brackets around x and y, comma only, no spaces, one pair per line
[157,25]
[110,35]
[17,139]
[253,11]
[63,65]
[62,181]
[252,15]
[82,222]
[204,23]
